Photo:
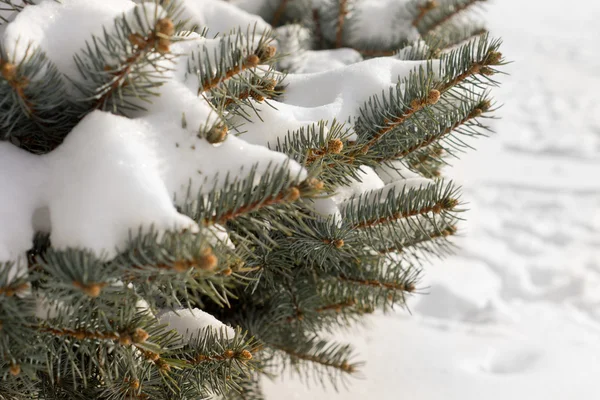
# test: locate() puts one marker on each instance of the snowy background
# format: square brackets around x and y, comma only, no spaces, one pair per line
[516,313]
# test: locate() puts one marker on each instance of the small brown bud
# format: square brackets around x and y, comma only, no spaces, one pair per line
[476,113]
[335,146]
[315,184]
[451,230]
[494,58]
[346,367]
[9,71]
[410,287]
[137,40]
[207,261]
[164,367]
[15,369]
[163,45]
[266,53]
[125,340]
[134,384]
[154,357]
[437,208]
[270,84]
[449,204]
[433,97]
[139,335]
[91,289]
[216,134]
[252,60]
[257,96]
[417,104]
[429,5]
[245,355]
[485,105]
[338,243]
[165,26]
[227,272]
[487,71]
[292,194]
[181,266]
[228,354]
[200,358]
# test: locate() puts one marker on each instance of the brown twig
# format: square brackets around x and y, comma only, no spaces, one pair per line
[438,207]
[279,12]
[243,355]
[344,365]
[415,106]
[424,9]
[337,307]
[334,146]
[318,29]
[11,290]
[158,40]
[289,195]
[251,61]
[451,230]
[454,12]
[417,146]
[18,83]
[403,286]
[343,11]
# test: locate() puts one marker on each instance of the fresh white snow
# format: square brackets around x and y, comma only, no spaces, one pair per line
[516,313]
[189,322]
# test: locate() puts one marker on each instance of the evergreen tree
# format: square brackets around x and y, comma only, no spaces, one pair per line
[179,215]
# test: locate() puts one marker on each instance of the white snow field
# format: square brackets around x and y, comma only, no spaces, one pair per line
[516,313]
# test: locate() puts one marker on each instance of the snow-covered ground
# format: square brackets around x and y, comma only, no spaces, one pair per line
[516,313]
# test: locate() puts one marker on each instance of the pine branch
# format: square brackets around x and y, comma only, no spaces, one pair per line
[35,112]
[403,286]
[389,124]
[122,68]
[419,240]
[238,198]
[424,9]
[473,111]
[320,352]
[434,17]
[370,210]
[233,56]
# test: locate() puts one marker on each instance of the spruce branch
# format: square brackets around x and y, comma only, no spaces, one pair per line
[233,56]
[403,286]
[370,210]
[35,111]
[415,105]
[423,9]
[242,197]
[435,132]
[430,18]
[122,69]
[418,240]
